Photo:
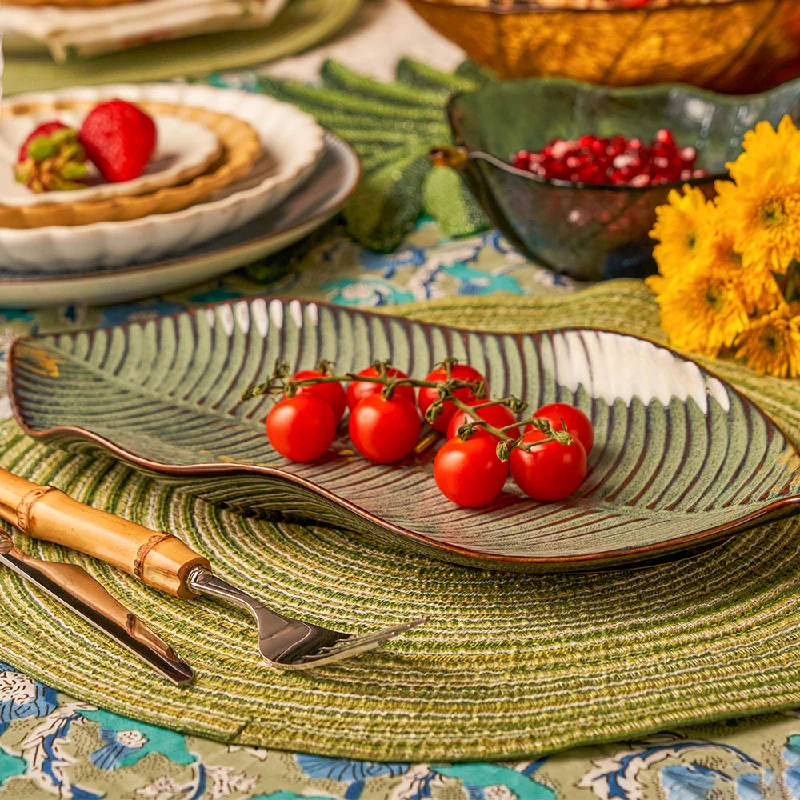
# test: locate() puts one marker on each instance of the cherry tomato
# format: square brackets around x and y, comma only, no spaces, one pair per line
[358,390]
[578,424]
[470,473]
[427,395]
[302,427]
[498,416]
[550,471]
[332,393]
[385,430]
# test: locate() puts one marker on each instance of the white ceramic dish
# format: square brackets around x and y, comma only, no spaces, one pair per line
[308,207]
[185,148]
[85,32]
[292,144]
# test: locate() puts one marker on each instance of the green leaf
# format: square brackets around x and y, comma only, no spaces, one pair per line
[414,73]
[313,97]
[392,127]
[387,203]
[337,76]
[470,71]
[449,202]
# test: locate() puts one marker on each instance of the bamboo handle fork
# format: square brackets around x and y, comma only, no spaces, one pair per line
[164,562]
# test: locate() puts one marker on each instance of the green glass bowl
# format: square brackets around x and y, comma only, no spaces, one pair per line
[591,232]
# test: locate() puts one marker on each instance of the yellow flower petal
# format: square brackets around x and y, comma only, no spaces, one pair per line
[764,218]
[682,229]
[705,311]
[771,344]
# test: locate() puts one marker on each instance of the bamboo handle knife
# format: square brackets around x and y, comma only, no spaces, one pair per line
[157,559]
[77,590]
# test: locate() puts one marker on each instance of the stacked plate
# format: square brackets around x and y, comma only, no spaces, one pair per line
[235,176]
[70,28]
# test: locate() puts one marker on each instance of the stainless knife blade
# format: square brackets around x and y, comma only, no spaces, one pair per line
[74,588]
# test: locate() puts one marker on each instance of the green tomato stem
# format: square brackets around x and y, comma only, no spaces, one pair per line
[281,382]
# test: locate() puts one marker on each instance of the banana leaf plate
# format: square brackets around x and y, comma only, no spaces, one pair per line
[681,460]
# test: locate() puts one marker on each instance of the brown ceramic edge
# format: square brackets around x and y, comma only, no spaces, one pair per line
[499,163]
[533,7]
[174,262]
[619,557]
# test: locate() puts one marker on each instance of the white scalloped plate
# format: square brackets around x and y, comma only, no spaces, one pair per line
[307,207]
[184,150]
[292,142]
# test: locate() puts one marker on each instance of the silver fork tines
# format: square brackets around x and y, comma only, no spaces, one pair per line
[288,643]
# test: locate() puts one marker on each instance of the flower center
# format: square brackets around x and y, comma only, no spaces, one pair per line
[771,341]
[715,297]
[772,214]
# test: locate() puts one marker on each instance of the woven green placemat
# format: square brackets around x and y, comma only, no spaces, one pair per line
[509,666]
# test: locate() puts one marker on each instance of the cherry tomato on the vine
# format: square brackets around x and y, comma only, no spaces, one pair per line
[469,473]
[385,430]
[332,393]
[358,390]
[551,470]
[578,424]
[427,395]
[302,427]
[498,416]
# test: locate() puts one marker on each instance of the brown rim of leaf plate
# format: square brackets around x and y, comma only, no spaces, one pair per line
[774,504]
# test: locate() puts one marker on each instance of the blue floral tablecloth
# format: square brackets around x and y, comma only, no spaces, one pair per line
[53,746]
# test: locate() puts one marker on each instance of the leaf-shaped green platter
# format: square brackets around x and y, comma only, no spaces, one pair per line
[681,460]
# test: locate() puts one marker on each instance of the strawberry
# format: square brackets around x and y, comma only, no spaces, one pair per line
[119,139]
[51,158]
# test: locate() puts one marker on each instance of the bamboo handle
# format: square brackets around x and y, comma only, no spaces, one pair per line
[157,559]
[82,585]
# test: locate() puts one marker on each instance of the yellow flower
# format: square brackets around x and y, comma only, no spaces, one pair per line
[762,208]
[705,311]
[768,149]
[757,285]
[683,230]
[771,344]
[764,215]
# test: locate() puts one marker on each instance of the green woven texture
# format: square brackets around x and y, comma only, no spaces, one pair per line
[509,666]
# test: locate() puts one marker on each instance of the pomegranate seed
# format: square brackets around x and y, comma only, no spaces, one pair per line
[618,144]
[593,159]
[589,173]
[598,147]
[665,137]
